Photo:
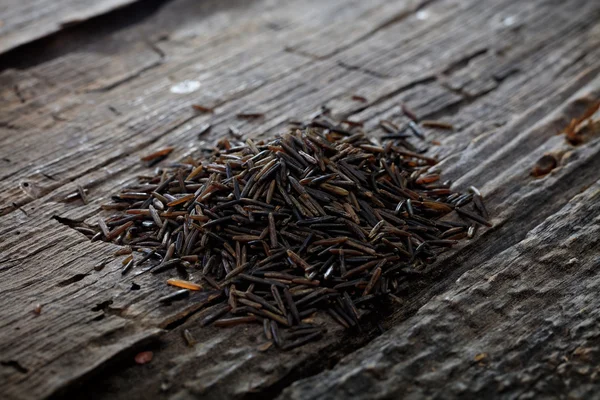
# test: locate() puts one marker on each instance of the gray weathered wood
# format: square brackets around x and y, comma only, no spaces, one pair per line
[505,73]
[520,324]
[22,22]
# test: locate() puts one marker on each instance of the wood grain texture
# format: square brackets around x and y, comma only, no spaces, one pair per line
[508,75]
[515,325]
[22,22]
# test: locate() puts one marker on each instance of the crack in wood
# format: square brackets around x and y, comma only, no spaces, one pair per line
[394,19]
[463,62]
[421,81]
[41,49]
[15,365]
[127,79]
[71,280]
[71,223]
[366,71]
[135,75]
[467,99]
[17,260]
[102,306]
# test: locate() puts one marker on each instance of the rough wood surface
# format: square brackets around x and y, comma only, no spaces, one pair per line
[509,75]
[520,324]
[24,21]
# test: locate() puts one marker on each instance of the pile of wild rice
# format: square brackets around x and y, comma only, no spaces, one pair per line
[321,218]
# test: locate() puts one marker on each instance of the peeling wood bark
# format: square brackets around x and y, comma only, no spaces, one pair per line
[508,75]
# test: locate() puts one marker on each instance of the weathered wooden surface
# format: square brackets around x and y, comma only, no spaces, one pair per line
[509,75]
[24,21]
[520,324]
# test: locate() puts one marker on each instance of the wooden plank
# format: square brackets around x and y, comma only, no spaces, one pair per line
[341,32]
[243,60]
[514,199]
[23,22]
[522,323]
[84,119]
[64,93]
